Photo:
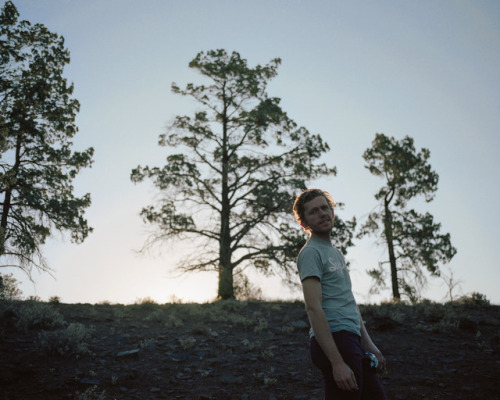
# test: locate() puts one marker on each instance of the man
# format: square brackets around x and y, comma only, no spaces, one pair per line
[338,337]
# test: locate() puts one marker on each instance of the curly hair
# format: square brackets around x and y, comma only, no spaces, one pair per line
[303,198]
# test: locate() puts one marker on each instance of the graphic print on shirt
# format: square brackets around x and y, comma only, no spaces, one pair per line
[336,265]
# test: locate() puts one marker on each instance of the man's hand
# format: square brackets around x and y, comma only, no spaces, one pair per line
[344,377]
[368,345]
[381,359]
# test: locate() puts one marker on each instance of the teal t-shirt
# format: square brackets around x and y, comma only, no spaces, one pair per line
[319,258]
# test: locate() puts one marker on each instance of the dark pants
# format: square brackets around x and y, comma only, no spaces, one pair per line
[349,345]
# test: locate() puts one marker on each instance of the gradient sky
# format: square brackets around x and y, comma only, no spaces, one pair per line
[349,69]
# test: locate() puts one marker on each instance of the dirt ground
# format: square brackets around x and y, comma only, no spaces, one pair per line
[234,350]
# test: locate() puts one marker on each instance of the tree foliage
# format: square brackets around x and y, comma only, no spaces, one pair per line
[232,185]
[37,123]
[413,240]
[8,288]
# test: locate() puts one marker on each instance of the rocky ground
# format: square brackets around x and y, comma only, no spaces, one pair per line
[234,350]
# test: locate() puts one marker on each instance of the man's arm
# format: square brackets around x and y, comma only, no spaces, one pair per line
[342,374]
[368,344]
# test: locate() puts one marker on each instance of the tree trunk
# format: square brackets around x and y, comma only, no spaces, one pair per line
[7,201]
[3,220]
[390,247]
[226,290]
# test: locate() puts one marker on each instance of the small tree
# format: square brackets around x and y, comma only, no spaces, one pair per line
[232,185]
[451,282]
[8,288]
[413,240]
[37,123]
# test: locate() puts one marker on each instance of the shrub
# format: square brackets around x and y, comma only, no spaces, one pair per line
[32,315]
[91,394]
[446,325]
[228,306]
[146,305]
[187,343]
[175,300]
[155,316]
[261,325]
[66,342]
[476,299]
[432,312]
[118,312]
[396,310]
[172,321]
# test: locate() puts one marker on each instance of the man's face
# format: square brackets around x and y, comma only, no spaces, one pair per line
[318,216]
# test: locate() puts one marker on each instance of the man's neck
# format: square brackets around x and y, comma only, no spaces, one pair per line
[321,236]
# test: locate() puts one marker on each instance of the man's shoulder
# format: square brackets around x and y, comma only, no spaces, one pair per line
[310,247]
[307,251]
[318,245]
[309,262]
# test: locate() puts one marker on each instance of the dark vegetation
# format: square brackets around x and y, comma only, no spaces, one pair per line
[235,350]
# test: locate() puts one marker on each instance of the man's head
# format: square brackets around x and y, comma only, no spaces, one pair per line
[306,212]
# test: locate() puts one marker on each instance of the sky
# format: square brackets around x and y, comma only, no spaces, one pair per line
[350,69]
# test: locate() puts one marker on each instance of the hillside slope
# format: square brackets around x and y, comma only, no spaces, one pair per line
[234,350]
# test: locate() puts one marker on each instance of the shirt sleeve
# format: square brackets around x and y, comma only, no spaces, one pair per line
[309,264]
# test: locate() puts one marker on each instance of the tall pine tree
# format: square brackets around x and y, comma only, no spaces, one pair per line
[37,124]
[413,240]
[230,189]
